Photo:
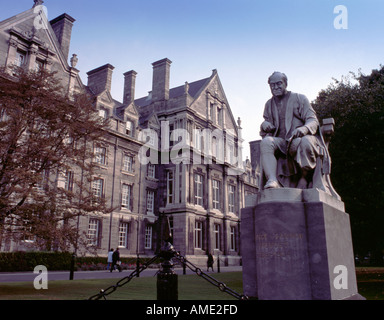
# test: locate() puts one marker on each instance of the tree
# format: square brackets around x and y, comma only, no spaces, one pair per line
[46,153]
[356,103]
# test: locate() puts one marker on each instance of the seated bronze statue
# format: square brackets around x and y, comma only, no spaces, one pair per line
[293,151]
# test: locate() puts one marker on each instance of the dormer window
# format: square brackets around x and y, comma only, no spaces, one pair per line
[103,113]
[129,128]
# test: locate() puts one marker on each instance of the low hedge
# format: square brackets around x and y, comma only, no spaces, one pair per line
[27,261]
[55,261]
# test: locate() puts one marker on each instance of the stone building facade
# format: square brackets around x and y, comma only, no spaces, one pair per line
[175,153]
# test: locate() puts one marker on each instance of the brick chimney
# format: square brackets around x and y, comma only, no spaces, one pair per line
[100,79]
[129,86]
[160,81]
[62,26]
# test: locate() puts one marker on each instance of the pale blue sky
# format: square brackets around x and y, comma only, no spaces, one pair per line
[245,40]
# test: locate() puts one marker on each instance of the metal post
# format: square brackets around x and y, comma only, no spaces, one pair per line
[218,264]
[137,267]
[167,285]
[72,267]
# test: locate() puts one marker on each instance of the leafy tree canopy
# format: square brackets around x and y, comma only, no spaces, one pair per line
[356,102]
[46,167]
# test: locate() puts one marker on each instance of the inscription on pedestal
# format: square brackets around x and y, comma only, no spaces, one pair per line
[276,244]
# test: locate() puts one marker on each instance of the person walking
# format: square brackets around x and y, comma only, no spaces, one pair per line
[109,259]
[210,262]
[116,260]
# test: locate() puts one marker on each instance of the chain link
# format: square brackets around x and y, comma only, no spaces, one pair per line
[220,285]
[122,282]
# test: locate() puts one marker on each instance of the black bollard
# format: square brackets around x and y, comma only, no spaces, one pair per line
[72,267]
[137,267]
[218,264]
[184,267]
[167,281]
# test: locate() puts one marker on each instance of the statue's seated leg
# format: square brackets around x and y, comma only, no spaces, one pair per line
[305,152]
[269,146]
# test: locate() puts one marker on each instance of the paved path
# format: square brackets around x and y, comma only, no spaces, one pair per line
[103,274]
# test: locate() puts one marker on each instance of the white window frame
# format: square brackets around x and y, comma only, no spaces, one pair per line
[129,128]
[98,187]
[127,163]
[151,170]
[100,155]
[231,198]
[148,237]
[126,190]
[233,238]
[215,194]
[170,186]
[198,187]
[198,235]
[123,234]
[150,201]
[217,235]
[93,232]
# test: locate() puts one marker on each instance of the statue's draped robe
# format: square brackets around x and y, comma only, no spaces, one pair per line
[298,113]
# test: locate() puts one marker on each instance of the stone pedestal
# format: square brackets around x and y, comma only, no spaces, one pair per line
[297,245]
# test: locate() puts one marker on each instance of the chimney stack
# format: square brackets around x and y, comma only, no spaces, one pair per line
[129,86]
[100,79]
[160,81]
[62,26]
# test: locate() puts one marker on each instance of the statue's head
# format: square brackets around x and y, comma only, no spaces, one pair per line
[278,82]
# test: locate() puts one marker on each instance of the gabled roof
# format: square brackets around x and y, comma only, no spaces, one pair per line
[43,33]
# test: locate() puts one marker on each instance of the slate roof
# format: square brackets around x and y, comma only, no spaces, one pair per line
[194,90]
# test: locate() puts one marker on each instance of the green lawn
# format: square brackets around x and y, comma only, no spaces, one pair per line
[191,287]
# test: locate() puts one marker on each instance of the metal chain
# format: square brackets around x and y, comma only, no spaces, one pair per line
[222,286]
[105,292]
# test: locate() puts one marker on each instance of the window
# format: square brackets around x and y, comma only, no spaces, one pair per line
[216,194]
[100,155]
[39,65]
[212,112]
[98,188]
[150,201]
[216,231]
[198,188]
[219,116]
[148,237]
[128,163]
[231,198]
[69,176]
[214,147]
[20,58]
[170,188]
[126,196]
[198,234]
[123,234]
[129,128]
[151,170]
[93,232]
[233,238]
[103,113]
[198,139]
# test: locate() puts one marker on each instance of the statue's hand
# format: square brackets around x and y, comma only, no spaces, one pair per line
[300,132]
[267,127]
